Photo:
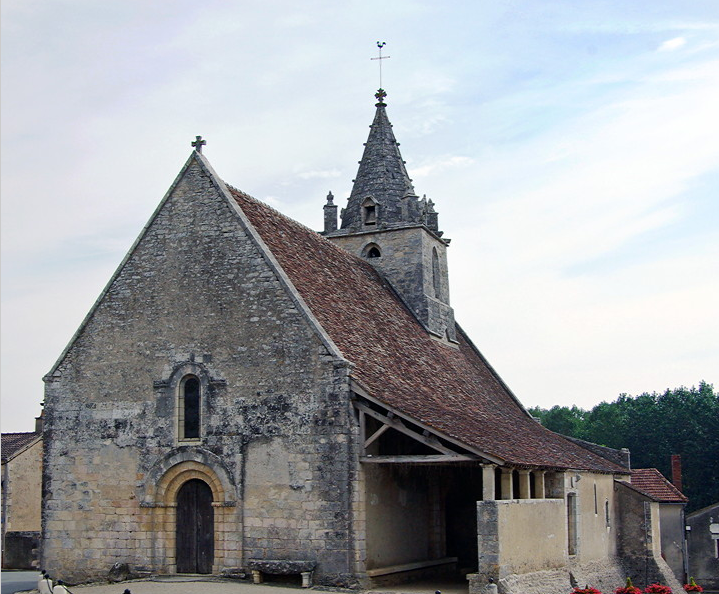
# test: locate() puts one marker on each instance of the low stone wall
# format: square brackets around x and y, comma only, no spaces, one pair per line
[505,545]
[20,550]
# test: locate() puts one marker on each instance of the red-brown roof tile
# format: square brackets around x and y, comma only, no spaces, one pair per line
[13,442]
[453,390]
[654,484]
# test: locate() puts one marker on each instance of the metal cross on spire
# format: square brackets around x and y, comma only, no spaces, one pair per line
[380,58]
[198,143]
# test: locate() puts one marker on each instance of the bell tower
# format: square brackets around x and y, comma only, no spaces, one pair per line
[389,225]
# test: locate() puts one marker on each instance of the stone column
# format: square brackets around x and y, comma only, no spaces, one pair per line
[488,482]
[330,210]
[524,492]
[507,491]
[539,484]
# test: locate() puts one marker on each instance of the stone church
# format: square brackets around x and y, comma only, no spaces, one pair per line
[248,390]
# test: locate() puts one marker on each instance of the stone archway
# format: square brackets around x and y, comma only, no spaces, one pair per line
[167,491]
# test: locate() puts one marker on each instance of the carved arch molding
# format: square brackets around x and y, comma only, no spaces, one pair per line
[166,476]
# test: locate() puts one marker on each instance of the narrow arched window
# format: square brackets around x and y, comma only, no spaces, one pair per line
[371,250]
[189,409]
[572,536]
[435,273]
[596,508]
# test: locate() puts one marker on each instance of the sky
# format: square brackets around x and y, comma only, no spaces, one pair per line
[571,149]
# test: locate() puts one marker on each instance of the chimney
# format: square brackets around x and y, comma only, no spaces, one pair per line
[626,457]
[677,471]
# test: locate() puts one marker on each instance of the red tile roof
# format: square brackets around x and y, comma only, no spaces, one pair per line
[452,390]
[14,442]
[654,484]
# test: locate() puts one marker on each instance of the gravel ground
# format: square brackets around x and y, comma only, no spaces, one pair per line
[188,585]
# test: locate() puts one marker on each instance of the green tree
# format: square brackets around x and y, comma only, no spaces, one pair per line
[654,426]
[562,419]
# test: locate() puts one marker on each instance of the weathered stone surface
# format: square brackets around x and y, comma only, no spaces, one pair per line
[119,572]
[197,296]
[281,566]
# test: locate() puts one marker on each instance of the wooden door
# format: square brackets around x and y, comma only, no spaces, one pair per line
[195,528]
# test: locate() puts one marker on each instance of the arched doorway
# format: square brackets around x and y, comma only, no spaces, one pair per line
[195,521]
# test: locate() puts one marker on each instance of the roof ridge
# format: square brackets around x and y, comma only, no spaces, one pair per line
[314,234]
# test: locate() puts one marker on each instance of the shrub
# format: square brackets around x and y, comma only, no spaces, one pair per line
[628,589]
[692,586]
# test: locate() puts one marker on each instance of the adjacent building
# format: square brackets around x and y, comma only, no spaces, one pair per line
[21,498]
[671,503]
[703,541]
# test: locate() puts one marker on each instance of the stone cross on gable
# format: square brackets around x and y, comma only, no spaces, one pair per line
[198,143]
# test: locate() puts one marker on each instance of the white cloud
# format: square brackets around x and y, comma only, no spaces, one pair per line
[320,174]
[547,164]
[441,164]
[672,44]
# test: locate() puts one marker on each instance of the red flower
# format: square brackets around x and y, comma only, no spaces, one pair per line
[657,589]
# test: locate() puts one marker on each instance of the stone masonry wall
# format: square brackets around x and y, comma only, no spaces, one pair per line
[196,293]
[639,539]
[407,262]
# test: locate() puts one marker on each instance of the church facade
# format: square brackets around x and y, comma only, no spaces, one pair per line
[248,390]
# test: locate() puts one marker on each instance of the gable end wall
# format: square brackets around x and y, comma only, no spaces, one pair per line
[196,292]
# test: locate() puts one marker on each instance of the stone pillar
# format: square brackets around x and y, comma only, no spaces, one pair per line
[539,484]
[488,482]
[330,210]
[524,492]
[507,486]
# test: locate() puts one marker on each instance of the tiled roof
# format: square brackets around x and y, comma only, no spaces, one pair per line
[653,483]
[14,442]
[452,390]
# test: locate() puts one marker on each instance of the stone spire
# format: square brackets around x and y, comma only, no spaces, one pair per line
[382,194]
[397,232]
